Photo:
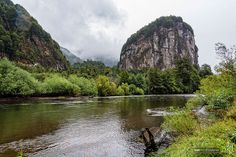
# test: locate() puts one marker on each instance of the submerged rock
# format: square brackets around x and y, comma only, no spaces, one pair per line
[159,112]
[155,139]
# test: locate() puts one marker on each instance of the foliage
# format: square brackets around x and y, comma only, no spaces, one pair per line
[213,137]
[228,59]
[232,112]
[120,91]
[15,81]
[133,90]
[105,87]
[125,88]
[233,137]
[215,83]
[205,71]
[218,92]
[187,76]
[220,100]
[155,82]
[56,85]
[194,102]
[181,123]
[139,91]
[87,87]
[91,69]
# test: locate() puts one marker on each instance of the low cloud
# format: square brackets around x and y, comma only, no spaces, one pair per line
[85,27]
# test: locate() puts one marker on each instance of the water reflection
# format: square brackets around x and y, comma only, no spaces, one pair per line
[72,127]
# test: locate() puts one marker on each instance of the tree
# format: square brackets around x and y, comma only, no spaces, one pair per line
[124,77]
[187,76]
[228,59]
[205,71]
[15,81]
[155,82]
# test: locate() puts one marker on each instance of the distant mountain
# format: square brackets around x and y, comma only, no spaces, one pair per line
[159,45]
[72,58]
[108,61]
[23,40]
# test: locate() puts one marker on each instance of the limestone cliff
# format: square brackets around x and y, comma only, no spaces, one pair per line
[24,41]
[160,44]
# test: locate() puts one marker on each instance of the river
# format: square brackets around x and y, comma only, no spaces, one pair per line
[79,127]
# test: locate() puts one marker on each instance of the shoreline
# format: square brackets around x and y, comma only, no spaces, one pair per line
[9,100]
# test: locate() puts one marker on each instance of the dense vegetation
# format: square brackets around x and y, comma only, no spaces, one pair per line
[92,78]
[212,135]
[146,31]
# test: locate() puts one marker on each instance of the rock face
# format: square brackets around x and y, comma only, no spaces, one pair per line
[24,41]
[159,45]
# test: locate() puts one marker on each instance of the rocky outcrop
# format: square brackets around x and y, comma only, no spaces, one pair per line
[155,140]
[24,41]
[159,45]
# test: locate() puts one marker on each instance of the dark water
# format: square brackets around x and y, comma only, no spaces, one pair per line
[98,127]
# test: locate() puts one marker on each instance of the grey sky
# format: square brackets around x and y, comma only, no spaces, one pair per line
[100,27]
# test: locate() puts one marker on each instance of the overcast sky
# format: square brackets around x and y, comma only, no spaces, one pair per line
[94,28]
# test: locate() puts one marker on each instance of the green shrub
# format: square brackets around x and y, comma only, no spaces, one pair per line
[112,89]
[87,87]
[139,91]
[56,85]
[105,87]
[220,100]
[120,91]
[125,87]
[135,90]
[15,81]
[232,112]
[181,123]
[132,89]
[194,102]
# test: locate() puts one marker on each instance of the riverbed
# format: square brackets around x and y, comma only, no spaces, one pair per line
[79,127]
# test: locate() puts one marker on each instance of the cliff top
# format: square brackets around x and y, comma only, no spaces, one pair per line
[148,30]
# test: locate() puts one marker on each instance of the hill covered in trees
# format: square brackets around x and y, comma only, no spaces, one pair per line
[24,41]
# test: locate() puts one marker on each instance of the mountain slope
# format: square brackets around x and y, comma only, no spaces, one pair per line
[160,44]
[73,59]
[23,40]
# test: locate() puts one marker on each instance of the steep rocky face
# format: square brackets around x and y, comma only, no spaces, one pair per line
[24,41]
[160,44]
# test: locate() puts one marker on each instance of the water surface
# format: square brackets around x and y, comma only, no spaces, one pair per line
[79,127]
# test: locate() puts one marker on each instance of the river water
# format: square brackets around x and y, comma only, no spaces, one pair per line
[79,127]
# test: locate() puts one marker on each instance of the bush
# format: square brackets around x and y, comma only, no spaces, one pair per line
[132,89]
[15,81]
[215,83]
[220,100]
[120,91]
[139,91]
[194,102]
[232,112]
[125,87]
[182,123]
[87,87]
[56,85]
[105,87]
